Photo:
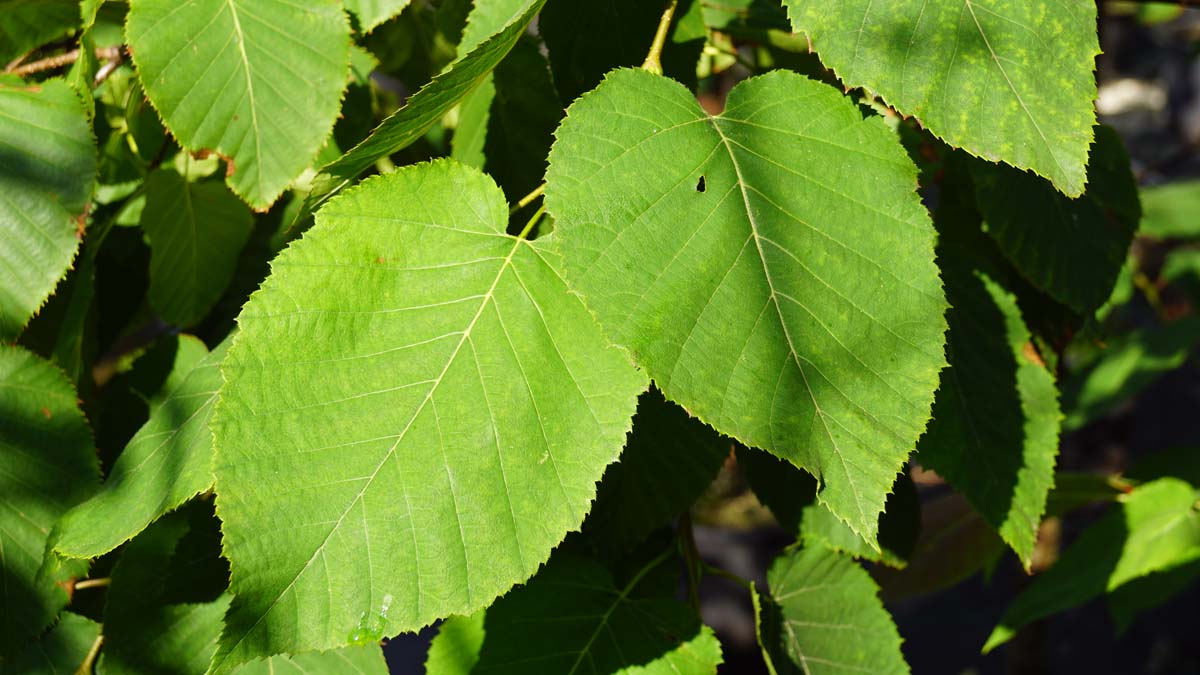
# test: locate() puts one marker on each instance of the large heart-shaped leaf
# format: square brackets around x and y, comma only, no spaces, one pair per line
[47,167]
[1007,80]
[259,81]
[771,268]
[432,422]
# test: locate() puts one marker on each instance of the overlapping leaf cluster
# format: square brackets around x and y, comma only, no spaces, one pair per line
[479,388]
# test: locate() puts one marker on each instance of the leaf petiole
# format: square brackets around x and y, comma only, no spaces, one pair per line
[653,62]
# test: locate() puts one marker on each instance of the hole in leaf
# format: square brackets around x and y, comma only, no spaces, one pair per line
[700,185]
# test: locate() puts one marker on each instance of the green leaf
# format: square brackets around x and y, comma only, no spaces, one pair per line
[47,169]
[749,288]
[27,24]
[474,115]
[994,433]
[790,494]
[371,13]
[586,39]
[1006,80]
[196,231]
[61,650]
[455,648]
[1130,364]
[424,109]
[823,615]
[47,465]
[574,617]
[1071,248]
[1169,211]
[1181,270]
[257,81]
[432,428]
[489,17]
[667,463]
[1155,529]
[165,464]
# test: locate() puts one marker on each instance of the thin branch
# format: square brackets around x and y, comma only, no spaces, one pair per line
[532,221]
[527,199]
[653,62]
[93,583]
[60,60]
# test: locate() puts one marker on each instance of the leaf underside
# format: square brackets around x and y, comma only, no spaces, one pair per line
[797,312]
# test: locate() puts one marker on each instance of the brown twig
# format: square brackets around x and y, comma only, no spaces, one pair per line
[60,60]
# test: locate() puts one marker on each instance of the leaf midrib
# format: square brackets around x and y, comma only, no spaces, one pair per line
[757,236]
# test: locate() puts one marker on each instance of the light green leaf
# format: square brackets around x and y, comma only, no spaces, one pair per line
[1006,80]
[424,109]
[750,289]
[745,16]
[455,648]
[668,461]
[47,465]
[1155,529]
[573,617]
[1071,248]
[27,24]
[196,231]
[434,425]
[1169,211]
[489,17]
[823,615]
[165,464]
[257,81]
[371,13]
[61,650]
[1130,364]
[994,433]
[47,169]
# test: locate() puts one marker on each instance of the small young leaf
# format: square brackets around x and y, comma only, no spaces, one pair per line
[823,616]
[1155,529]
[1007,80]
[47,169]
[258,81]
[164,465]
[434,425]
[196,231]
[47,465]
[797,310]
